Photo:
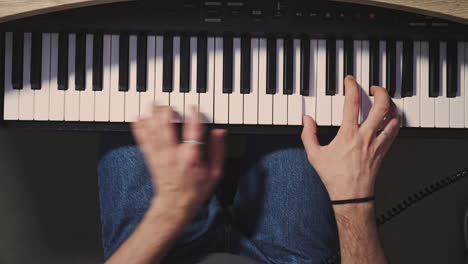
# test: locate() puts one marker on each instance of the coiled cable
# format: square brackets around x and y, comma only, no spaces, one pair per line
[408,202]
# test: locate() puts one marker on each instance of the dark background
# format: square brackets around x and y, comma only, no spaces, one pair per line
[49,211]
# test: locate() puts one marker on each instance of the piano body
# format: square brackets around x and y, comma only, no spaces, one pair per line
[250,66]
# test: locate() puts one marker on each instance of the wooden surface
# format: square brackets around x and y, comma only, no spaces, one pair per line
[455,10]
[13,9]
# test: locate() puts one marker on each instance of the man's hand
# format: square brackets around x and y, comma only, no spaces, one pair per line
[182,179]
[348,167]
[349,164]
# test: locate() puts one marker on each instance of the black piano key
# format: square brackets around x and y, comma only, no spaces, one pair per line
[168,63]
[434,68]
[97,62]
[80,62]
[36,61]
[2,65]
[142,66]
[391,67]
[348,57]
[124,44]
[330,89]
[17,67]
[407,70]
[374,64]
[452,69]
[227,64]
[305,65]
[245,64]
[185,64]
[288,66]
[62,77]
[202,63]
[271,66]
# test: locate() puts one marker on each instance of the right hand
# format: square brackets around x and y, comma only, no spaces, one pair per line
[348,166]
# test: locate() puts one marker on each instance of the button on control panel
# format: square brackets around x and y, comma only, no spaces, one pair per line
[218,11]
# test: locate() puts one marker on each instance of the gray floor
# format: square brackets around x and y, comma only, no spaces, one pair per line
[50,212]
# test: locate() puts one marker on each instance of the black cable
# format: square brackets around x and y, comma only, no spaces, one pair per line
[408,202]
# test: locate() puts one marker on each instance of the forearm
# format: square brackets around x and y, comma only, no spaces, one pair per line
[357,229]
[152,238]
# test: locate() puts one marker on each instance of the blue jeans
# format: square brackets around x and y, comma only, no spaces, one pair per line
[281,212]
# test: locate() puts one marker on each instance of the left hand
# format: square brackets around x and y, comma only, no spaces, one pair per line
[182,180]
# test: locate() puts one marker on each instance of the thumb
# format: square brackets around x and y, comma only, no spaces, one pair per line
[216,151]
[309,135]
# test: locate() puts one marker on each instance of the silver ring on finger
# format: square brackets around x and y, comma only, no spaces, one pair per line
[193,142]
[388,136]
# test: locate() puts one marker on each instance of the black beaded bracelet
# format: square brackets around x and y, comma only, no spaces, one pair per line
[358,200]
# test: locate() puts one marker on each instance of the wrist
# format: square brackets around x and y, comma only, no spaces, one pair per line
[160,209]
[360,210]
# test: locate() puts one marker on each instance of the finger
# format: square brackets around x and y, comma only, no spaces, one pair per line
[309,135]
[216,151]
[168,136]
[385,138]
[154,126]
[145,130]
[193,129]
[352,103]
[378,114]
[139,132]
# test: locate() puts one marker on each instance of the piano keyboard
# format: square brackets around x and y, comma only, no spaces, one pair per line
[230,79]
[246,65]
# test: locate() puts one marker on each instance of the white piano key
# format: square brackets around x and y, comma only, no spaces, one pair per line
[383,63]
[280,100]
[295,99]
[191,98]
[87,96]
[357,48]
[147,98]
[251,99]
[465,87]
[265,101]
[132,96]
[309,100]
[102,98]
[338,99]
[427,103]
[72,96]
[221,100]
[366,99]
[206,99]
[457,104]
[411,104]
[176,97]
[41,97]
[26,95]
[236,99]
[160,97]
[323,110]
[57,97]
[397,99]
[117,98]
[11,96]
[442,102]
